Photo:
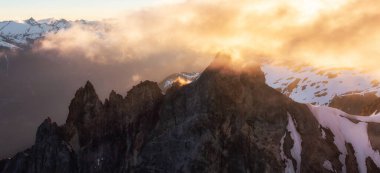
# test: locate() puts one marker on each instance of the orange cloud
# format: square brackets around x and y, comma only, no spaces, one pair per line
[318,32]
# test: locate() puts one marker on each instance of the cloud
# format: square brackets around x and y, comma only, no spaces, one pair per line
[343,33]
[136,78]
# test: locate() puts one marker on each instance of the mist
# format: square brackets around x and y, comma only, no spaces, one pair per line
[319,33]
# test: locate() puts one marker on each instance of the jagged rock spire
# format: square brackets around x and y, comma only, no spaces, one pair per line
[47,129]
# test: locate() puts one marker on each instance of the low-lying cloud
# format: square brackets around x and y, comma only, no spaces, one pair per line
[343,33]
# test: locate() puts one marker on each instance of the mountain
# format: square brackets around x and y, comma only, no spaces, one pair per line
[14,34]
[225,121]
[19,34]
[345,89]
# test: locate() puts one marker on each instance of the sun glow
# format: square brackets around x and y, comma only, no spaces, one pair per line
[318,32]
[182,81]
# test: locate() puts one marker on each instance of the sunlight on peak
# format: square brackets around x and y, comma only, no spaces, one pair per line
[182,81]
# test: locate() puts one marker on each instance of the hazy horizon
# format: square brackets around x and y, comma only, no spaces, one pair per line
[19,10]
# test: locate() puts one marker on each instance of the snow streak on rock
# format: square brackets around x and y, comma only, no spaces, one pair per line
[288,162]
[295,150]
[348,129]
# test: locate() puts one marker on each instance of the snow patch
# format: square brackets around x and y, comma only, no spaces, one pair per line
[375,118]
[7,45]
[327,165]
[323,133]
[346,131]
[295,151]
[288,162]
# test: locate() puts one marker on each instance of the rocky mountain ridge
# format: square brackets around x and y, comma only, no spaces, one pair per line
[225,121]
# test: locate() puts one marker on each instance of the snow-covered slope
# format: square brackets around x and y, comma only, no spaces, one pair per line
[319,86]
[19,34]
[7,45]
[14,34]
[310,85]
[349,129]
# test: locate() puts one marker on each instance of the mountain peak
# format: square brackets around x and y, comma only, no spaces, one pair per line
[143,88]
[86,94]
[46,130]
[225,65]
[221,60]
[31,21]
[89,86]
[85,102]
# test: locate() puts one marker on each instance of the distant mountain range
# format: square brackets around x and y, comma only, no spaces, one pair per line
[20,34]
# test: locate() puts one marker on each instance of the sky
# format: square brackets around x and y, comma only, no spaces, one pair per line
[71,9]
[325,33]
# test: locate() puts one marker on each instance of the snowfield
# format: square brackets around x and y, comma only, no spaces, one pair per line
[318,86]
[348,131]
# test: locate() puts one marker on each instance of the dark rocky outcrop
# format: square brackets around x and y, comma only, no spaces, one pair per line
[373,130]
[351,162]
[110,134]
[371,166]
[355,104]
[373,107]
[49,154]
[228,120]
[97,137]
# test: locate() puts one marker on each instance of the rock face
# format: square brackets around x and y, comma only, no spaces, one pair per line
[107,135]
[49,154]
[356,104]
[371,108]
[228,120]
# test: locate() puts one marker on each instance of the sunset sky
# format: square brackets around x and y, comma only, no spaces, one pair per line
[71,9]
[325,33]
